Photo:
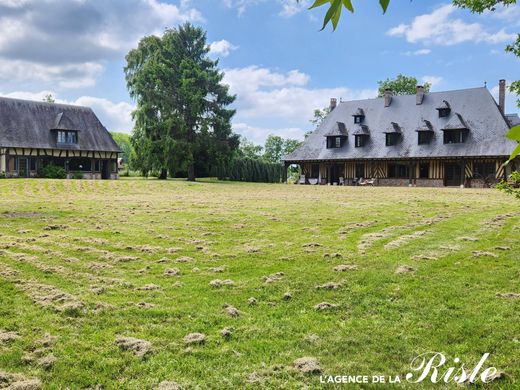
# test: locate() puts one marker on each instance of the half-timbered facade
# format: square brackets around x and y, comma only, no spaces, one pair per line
[452,138]
[36,134]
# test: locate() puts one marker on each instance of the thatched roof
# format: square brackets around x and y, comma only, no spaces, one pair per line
[31,124]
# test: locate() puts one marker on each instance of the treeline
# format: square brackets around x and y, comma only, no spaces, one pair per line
[250,170]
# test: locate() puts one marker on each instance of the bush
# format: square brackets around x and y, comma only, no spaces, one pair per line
[511,185]
[77,175]
[53,172]
[2,175]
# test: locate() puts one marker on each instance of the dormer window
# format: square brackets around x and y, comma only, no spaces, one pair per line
[444,109]
[456,131]
[335,142]
[361,140]
[67,137]
[424,132]
[392,134]
[359,116]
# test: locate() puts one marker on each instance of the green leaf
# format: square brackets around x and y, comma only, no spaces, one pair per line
[335,18]
[515,153]
[384,4]
[348,5]
[331,12]
[514,133]
[319,3]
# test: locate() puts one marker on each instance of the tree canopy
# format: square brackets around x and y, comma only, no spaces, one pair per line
[401,85]
[182,115]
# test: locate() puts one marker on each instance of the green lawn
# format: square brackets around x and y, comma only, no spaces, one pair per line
[83,263]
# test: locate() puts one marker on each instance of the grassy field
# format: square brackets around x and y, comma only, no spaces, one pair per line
[86,264]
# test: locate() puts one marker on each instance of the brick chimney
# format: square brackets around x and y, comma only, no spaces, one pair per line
[502,96]
[419,94]
[333,103]
[388,97]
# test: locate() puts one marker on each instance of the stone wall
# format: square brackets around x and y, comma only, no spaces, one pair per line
[429,183]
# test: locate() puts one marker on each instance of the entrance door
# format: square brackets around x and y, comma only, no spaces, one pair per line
[23,170]
[105,169]
[452,175]
[360,171]
[335,173]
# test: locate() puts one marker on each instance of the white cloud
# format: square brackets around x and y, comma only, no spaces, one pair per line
[265,94]
[441,28]
[434,81]
[221,48]
[258,135]
[63,76]
[420,52]
[293,7]
[67,42]
[240,5]
[114,116]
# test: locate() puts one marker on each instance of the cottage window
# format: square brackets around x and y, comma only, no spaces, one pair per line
[424,171]
[424,137]
[97,167]
[315,171]
[67,137]
[483,170]
[32,164]
[456,136]
[444,112]
[358,118]
[360,141]
[391,139]
[398,171]
[335,142]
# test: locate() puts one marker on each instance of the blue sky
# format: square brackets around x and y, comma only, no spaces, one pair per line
[275,59]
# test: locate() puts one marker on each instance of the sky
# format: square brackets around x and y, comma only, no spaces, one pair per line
[275,59]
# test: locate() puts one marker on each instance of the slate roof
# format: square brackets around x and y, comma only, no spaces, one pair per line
[338,129]
[32,124]
[473,108]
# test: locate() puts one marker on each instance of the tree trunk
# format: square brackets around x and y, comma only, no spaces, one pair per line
[191,172]
[164,174]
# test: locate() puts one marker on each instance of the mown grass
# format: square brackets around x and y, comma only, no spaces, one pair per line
[62,233]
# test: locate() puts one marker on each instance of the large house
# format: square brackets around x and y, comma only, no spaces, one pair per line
[36,134]
[451,138]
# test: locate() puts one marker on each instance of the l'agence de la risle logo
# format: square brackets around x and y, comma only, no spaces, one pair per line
[427,367]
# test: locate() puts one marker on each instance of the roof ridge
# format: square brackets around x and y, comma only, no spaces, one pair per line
[37,102]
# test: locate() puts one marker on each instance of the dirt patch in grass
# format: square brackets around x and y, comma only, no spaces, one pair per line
[484,254]
[172,272]
[404,269]
[322,306]
[307,365]
[221,283]
[329,286]
[195,339]
[508,295]
[7,337]
[138,347]
[273,277]
[50,296]
[345,268]
[169,385]
[402,240]
[231,310]
[12,381]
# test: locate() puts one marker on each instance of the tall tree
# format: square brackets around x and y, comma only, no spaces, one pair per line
[401,85]
[319,116]
[276,147]
[182,106]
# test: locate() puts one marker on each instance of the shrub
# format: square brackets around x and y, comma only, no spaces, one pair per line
[52,172]
[2,175]
[77,175]
[512,185]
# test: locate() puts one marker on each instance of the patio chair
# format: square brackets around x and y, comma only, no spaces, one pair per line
[302,179]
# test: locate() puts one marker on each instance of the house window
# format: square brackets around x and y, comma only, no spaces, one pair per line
[398,171]
[444,112]
[97,166]
[391,139]
[424,137]
[315,171]
[67,137]
[32,164]
[335,142]
[360,141]
[358,118]
[360,170]
[424,171]
[454,136]
[482,170]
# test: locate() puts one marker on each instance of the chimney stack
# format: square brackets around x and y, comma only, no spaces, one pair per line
[388,97]
[419,94]
[502,96]
[333,103]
